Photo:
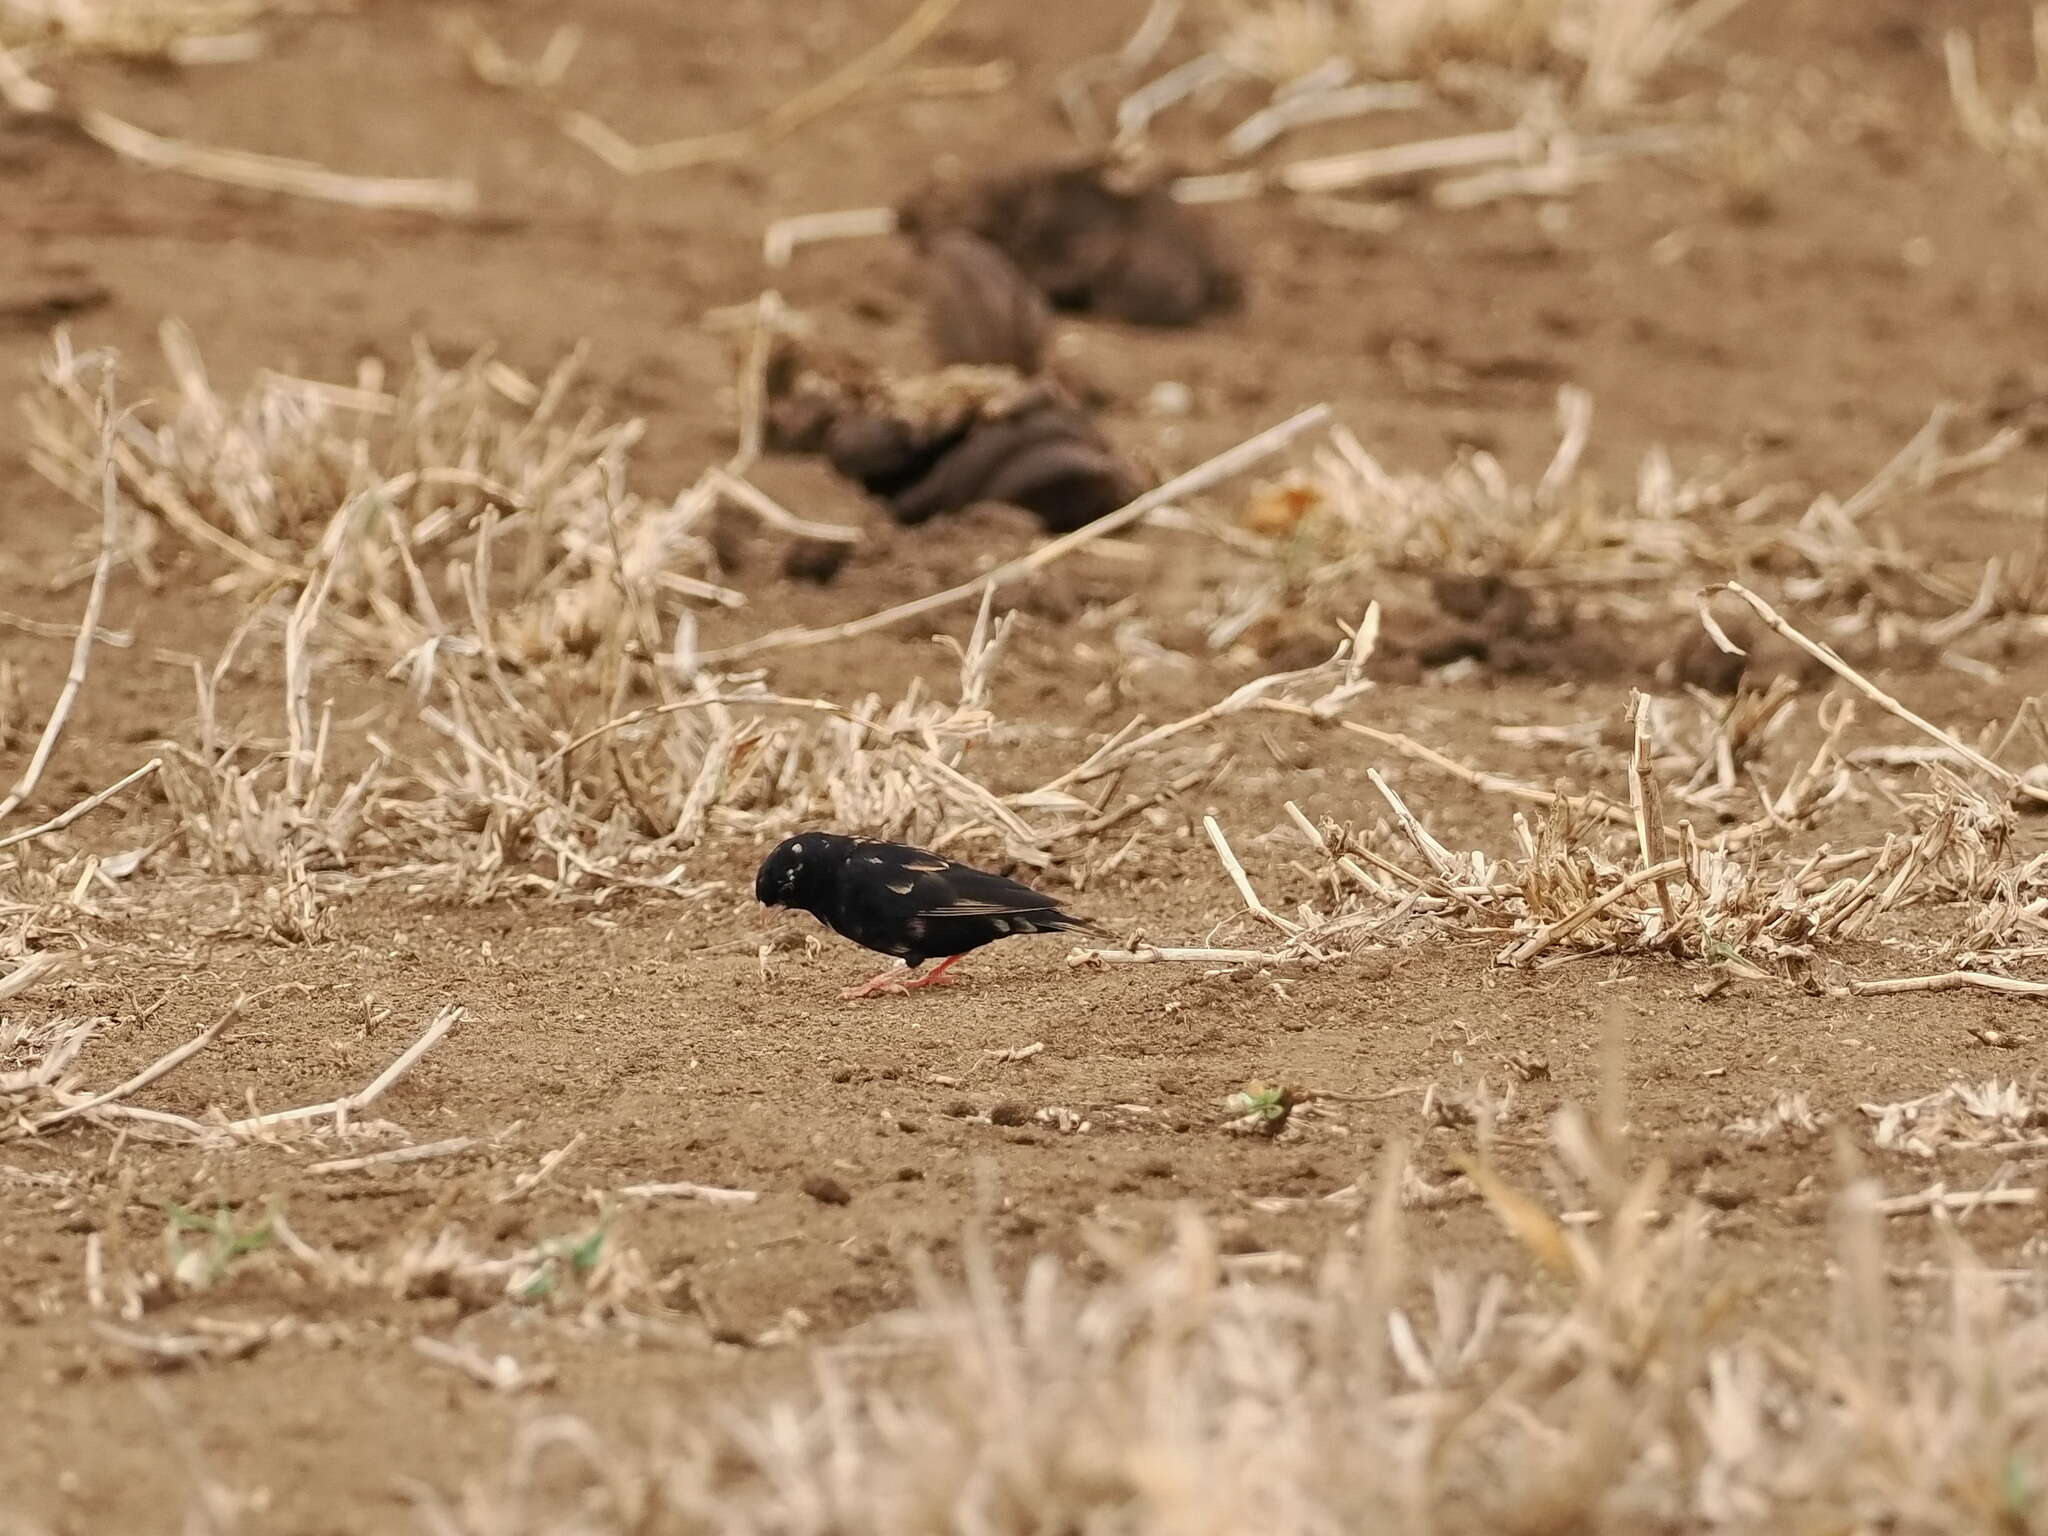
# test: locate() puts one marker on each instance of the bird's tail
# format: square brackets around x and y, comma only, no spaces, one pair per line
[1074,922]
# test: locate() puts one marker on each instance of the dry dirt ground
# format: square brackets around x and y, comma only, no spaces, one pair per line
[1879,265]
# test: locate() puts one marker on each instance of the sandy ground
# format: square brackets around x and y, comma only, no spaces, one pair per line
[1882,265]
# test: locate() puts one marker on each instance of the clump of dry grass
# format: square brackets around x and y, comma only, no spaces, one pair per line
[1997,1115]
[1788,1117]
[1754,897]
[182,31]
[1323,61]
[1607,51]
[1619,1392]
[393,488]
[1632,555]
[1553,66]
[1563,572]
[561,731]
[463,533]
[1757,897]
[1347,524]
[515,793]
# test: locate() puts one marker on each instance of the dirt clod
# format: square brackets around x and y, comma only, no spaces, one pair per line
[1091,237]
[815,560]
[980,307]
[1700,661]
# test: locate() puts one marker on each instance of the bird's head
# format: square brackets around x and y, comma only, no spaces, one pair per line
[798,871]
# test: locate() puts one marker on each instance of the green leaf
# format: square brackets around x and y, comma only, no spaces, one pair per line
[584,1255]
[2020,1489]
[188,1221]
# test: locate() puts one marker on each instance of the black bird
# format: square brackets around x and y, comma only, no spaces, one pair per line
[903,901]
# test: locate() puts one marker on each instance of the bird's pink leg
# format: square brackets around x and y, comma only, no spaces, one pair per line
[932,979]
[890,982]
[898,982]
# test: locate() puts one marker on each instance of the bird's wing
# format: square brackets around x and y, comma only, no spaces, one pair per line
[935,904]
[939,887]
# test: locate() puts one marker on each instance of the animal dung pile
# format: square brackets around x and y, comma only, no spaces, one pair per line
[939,442]
[980,307]
[1090,236]
[999,254]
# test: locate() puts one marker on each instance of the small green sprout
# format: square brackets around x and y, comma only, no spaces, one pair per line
[1260,1108]
[202,1264]
[578,1255]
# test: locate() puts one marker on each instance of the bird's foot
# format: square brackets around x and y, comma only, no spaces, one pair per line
[938,977]
[900,982]
[885,985]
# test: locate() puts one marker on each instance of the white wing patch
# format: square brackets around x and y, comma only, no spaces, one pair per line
[981,909]
[904,889]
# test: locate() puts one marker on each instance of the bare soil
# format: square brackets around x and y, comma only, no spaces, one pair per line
[1882,265]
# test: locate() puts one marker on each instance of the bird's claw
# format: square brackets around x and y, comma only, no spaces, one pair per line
[888,981]
[881,986]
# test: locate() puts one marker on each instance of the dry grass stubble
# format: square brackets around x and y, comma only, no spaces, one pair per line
[1192,1391]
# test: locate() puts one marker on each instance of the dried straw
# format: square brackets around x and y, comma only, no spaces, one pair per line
[851,78]
[2012,782]
[235,167]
